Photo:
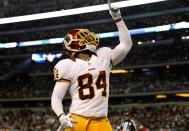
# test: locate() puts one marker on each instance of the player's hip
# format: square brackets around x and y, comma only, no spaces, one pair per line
[90,113]
[80,116]
[90,109]
[88,123]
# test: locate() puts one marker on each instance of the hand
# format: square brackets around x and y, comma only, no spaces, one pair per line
[66,122]
[114,11]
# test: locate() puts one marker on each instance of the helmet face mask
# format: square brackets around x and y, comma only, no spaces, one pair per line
[79,40]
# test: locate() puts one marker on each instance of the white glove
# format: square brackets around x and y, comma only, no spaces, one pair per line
[66,121]
[114,11]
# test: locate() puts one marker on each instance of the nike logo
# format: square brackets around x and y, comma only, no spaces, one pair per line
[91,69]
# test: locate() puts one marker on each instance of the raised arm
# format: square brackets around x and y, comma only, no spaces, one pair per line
[122,49]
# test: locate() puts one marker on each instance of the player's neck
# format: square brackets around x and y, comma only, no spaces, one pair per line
[84,56]
[85,59]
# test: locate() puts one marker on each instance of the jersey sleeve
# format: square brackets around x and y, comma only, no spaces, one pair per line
[105,53]
[124,46]
[62,71]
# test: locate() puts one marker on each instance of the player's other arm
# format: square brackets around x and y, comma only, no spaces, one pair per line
[58,94]
[61,86]
[122,49]
[61,76]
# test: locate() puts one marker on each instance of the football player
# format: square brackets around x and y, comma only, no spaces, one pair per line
[86,76]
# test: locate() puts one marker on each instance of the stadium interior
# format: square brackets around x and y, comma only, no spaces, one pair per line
[152,82]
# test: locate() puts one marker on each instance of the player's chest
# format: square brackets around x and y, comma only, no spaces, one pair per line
[93,67]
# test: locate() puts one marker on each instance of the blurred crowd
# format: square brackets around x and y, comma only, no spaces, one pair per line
[11,66]
[28,120]
[157,53]
[167,117]
[142,84]
[27,87]
[156,118]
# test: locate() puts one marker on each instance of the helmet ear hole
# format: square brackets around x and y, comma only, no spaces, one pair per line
[67,39]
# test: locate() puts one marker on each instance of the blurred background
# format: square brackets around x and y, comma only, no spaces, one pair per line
[152,82]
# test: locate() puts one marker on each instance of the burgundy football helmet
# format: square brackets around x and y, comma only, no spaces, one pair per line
[78,40]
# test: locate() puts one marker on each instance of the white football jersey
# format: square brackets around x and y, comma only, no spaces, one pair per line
[89,82]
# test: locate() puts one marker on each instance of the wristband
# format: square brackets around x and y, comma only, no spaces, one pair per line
[118,20]
[61,115]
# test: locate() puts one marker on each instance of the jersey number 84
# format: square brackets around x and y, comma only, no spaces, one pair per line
[100,84]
